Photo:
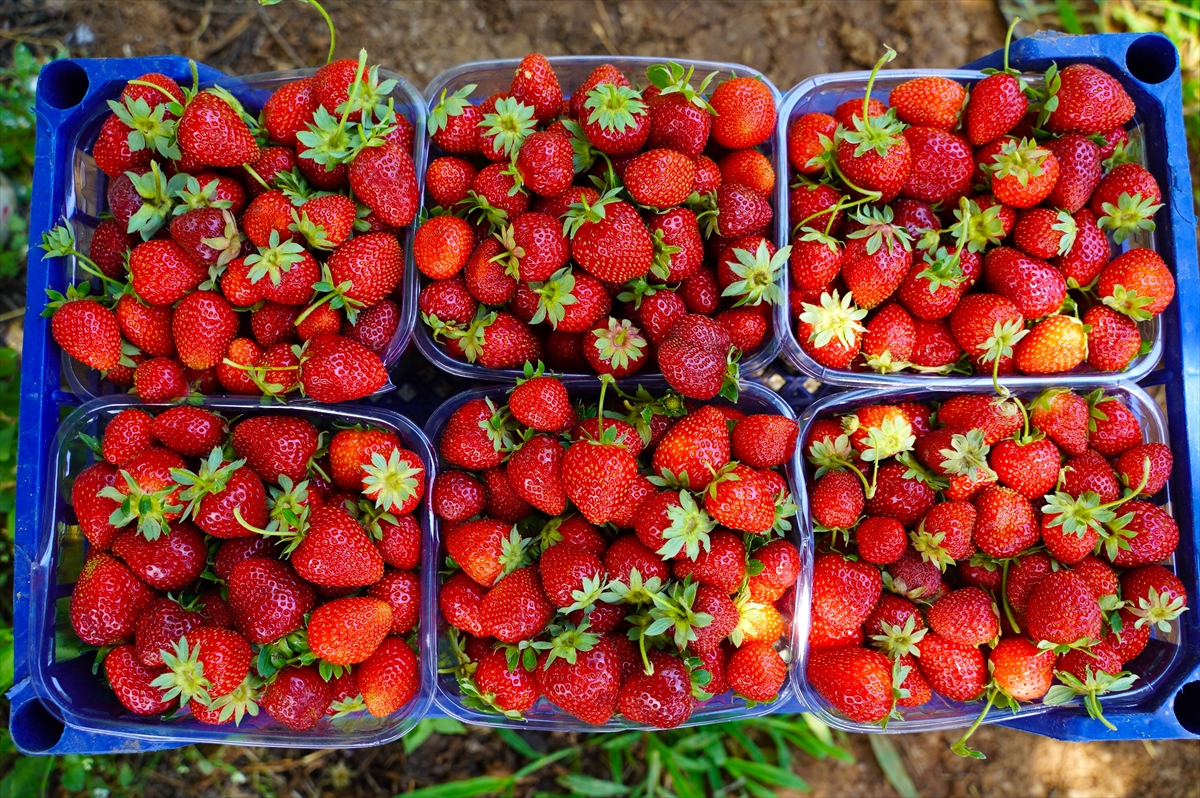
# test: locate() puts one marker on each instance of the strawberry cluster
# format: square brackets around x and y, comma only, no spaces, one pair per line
[242,255]
[934,518]
[614,562]
[951,234]
[604,231]
[265,566]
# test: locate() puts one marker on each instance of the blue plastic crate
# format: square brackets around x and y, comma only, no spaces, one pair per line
[1147,65]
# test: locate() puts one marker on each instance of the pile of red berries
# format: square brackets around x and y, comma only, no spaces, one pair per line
[601,232]
[624,562]
[970,231]
[265,566]
[986,547]
[242,255]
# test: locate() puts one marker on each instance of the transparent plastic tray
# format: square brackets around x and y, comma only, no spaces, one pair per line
[490,77]
[823,93]
[85,199]
[1156,666]
[61,666]
[545,716]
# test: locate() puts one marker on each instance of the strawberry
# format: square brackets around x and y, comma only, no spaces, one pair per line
[748,168]
[106,601]
[1090,472]
[616,347]
[211,130]
[721,566]
[112,152]
[1126,200]
[609,240]
[336,369]
[499,341]
[1025,574]
[581,675]
[831,333]
[1154,595]
[996,105]
[1054,345]
[658,313]
[453,123]
[697,446]
[942,164]
[335,551]
[997,420]
[764,440]
[269,212]
[474,436]
[535,84]
[1006,523]
[276,445]
[1112,428]
[740,501]
[877,258]
[660,178]
[986,326]
[815,261]
[627,554]
[147,327]
[232,552]
[534,247]
[836,500]
[535,474]
[895,611]
[127,434]
[955,670]
[741,211]
[441,246]
[448,180]
[516,608]
[1113,340]
[822,637]
[857,681]
[677,228]
[899,496]
[459,600]
[614,120]
[372,264]
[1137,283]
[888,340]
[1087,254]
[695,358]
[375,327]
[1034,286]
[873,154]
[880,540]
[844,591]
[1147,466]
[131,681]
[545,163]
[87,330]
[1079,171]
[384,178]
[934,101]
[945,533]
[1044,233]
[744,113]
[160,380]
[571,577]
[701,292]
[662,698]
[1023,174]
[347,631]
[1063,610]
[203,666]
[297,697]
[1088,101]
[1028,467]
[1099,575]
[166,563]
[968,616]
[162,273]
[203,326]
[109,248]
[390,677]
[1155,536]
[288,111]
[848,111]
[1063,416]
[805,149]
[595,472]
[267,599]
[505,690]
[486,549]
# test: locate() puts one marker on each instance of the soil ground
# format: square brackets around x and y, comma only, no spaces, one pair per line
[419,38]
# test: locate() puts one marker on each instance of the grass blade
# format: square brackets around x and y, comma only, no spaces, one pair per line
[893,767]
[517,743]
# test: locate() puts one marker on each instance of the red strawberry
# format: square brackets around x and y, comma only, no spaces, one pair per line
[1149,461]
[746,167]
[131,680]
[967,616]
[698,446]
[211,131]
[535,474]
[162,273]
[997,104]
[596,472]
[85,329]
[147,327]
[474,436]
[831,333]
[267,599]
[336,369]
[297,697]
[1087,256]
[384,178]
[1113,340]
[169,562]
[373,265]
[942,164]
[1021,669]
[545,163]
[1063,416]
[160,380]
[1126,200]
[945,534]
[609,240]
[1089,101]
[660,178]
[1079,171]
[1113,427]
[346,631]
[740,501]
[1090,472]
[1034,286]
[722,566]
[880,540]
[804,146]
[109,248]
[1006,523]
[889,338]
[955,670]
[232,552]
[780,566]
[1030,468]
[663,698]
[459,600]
[1155,536]
[694,358]
[899,496]
[390,677]
[934,101]
[106,601]
[516,608]
[288,111]
[203,325]
[844,591]
[585,686]
[764,441]
[857,681]
[741,211]
[1137,283]
[112,152]
[1023,576]
[499,341]
[836,500]
[1155,596]
[1055,344]
[513,690]
[1023,174]
[614,119]
[745,113]
[1063,610]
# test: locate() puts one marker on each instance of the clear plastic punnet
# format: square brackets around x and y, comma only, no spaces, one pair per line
[1157,667]
[753,398]
[490,77]
[823,93]
[85,200]
[61,667]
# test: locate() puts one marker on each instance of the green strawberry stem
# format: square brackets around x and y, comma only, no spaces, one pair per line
[605,380]
[328,23]
[60,242]
[960,746]
[257,176]
[1008,613]
[170,97]
[887,56]
[868,195]
[1008,40]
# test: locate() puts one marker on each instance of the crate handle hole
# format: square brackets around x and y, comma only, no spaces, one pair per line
[63,84]
[1187,707]
[1152,59]
[41,730]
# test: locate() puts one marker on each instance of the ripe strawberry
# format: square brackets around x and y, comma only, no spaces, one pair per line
[267,599]
[836,500]
[997,420]
[804,146]
[660,178]
[698,446]
[112,152]
[535,84]
[1023,174]
[895,611]
[942,164]
[335,551]
[695,358]
[347,631]
[745,113]
[844,591]
[945,534]
[288,111]
[453,123]
[1099,575]
[390,677]
[614,119]
[169,562]
[106,601]
[297,697]
[127,435]
[1030,468]
[448,180]
[996,105]
[1126,200]
[764,440]
[131,681]
[474,436]
[1006,523]
[627,554]
[276,445]
[888,341]
[203,325]
[822,637]
[741,211]
[269,212]
[968,616]
[663,698]
[740,501]
[609,240]
[211,131]
[1137,283]
[571,577]
[1063,610]
[336,369]
[880,540]
[162,273]
[232,552]
[160,380]
[1101,658]
[459,600]
[1024,575]
[1088,255]
[1089,101]
[955,670]
[1149,461]
[1034,286]
[1113,340]
[513,690]
[372,263]
[384,178]
[499,341]
[1113,427]
[375,327]
[780,566]
[1054,345]
[898,496]
[1155,536]
[1021,669]
[535,474]
[1079,171]
[831,333]
[596,472]
[748,168]
[1155,596]
[756,671]
[722,566]
[934,101]
[109,248]
[857,681]
[1063,415]
[586,685]
[872,277]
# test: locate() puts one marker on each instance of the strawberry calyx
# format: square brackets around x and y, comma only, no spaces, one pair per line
[313,233]
[1021,159]
[148,127]
[879,229]
[944,269]
[288,651]
[705,207]
[289,506]
[785,508]
[512,253]
[1096,684]
[1158,609]
[586,597]
[241,702]
[878,133]
[661,266]
[150,508]
[274,259]
[831,456]
[898,641]
[335,295]
[184,678]
[967,456]
[897,585]
[566,641]
[672,610]
[59,242]
[258,376]
[582,211]
[614,107]
[641,408]
[620,343]
[448,107]
[391,482]
[228,243]
[509,125]
[699,677]
[1131,214]
[639,288]
[473,698]
[157,202]
[554,294]
[189,195]
[485,213]
[372,518]
[758,275]
[750,615]
[929,546]
[690,525]
[672,78]
[212,477]
[635,591]
[979,228]
[836,317]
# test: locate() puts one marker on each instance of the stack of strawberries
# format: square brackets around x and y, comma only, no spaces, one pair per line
[222,563]
[624,562]
[242,255]
[606,231]
[951,234]
[984,547]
